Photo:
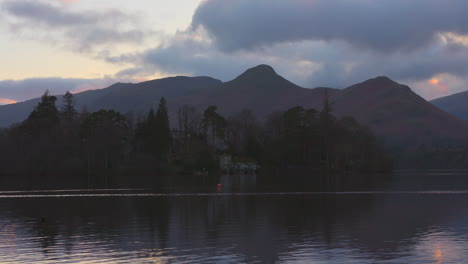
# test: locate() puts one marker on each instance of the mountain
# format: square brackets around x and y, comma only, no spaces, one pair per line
[122,97]
[14,113]
[394,111]
[261,90]
[456,104]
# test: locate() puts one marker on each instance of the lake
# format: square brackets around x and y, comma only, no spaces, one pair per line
[419,217]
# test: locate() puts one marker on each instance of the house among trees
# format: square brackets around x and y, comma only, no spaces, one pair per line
[227,165]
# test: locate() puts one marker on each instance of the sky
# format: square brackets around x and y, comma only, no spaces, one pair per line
[78,45]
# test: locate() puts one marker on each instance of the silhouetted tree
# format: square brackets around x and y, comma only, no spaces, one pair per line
[106,136]
[326,125]
[162,130]
[214,124]
[43,148]
[45,109]
[68,106]
[145,134]
[243,136]
[189,126]
[191,151]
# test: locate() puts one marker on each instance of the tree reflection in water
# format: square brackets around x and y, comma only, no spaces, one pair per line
[367,228]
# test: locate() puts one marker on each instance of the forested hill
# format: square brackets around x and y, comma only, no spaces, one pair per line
[392,110]
[259,89]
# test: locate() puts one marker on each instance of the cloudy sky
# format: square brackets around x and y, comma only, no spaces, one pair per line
[86,44]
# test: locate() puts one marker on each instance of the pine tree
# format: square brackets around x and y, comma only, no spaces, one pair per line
[326,113]
[326,126]
[68,107]
[150,131]
[45,109]
[144,134]
[162,130]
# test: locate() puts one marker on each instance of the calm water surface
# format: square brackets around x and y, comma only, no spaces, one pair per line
[414,220]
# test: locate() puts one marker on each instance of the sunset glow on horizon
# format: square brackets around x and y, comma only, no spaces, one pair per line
[5,101]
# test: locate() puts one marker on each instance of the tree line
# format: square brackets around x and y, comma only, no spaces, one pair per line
[57,146]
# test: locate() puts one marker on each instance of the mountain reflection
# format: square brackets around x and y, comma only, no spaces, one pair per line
[353,228]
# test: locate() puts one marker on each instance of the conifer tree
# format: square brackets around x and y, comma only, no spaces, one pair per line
[326,125]
[45,109]
[145,134]
[162,130]
[150,140]
[68,107]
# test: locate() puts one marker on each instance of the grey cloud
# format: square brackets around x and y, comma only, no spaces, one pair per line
[342,64]
[186,54]
[316,42]
[308,63]
[384,25]
[86,39]
[82,31]
[47,14]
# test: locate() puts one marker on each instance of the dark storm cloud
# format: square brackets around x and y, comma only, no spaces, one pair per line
[317,42]
[81,30]
[309,63]
[186,53]
[311,42]
[383,25]
[197,58]
[342,65]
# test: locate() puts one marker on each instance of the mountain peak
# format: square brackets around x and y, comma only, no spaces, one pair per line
[262,69]
[380,83]
[262,79]
[381,80]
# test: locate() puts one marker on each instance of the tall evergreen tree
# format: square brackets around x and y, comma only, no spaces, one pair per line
[106,135]
[68,106]
[326,125]
[45,109]
[162,130]
[150,130]
[145,134]
[326,116]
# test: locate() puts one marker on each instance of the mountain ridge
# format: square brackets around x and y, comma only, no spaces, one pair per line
[393,110]
[455,104]
[396,112]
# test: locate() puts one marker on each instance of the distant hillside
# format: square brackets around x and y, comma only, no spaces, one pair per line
[260,89]
[14,113]
[391,109]
[456,104]
[122,97]
[396,112]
